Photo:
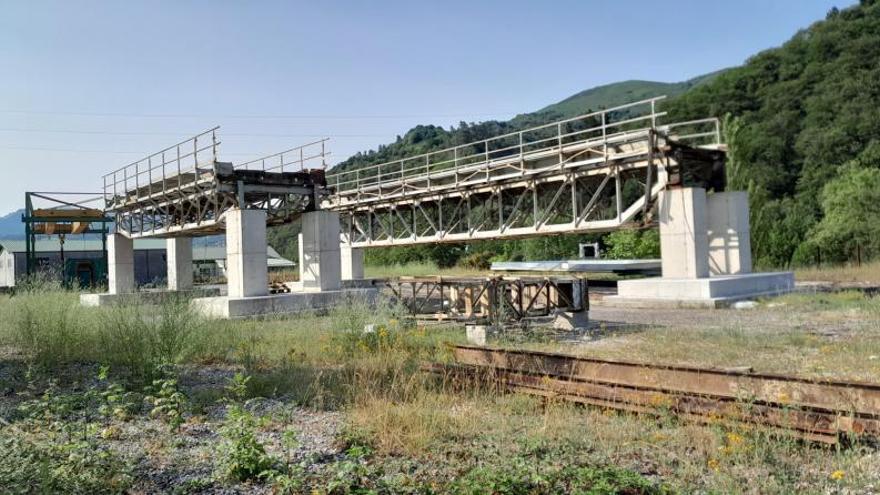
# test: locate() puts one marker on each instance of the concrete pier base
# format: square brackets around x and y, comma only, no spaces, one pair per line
[281,304]
[705,255]
[352,262]
[144,297]
[246,272]
[707,292]
[320,266]
[178,254]
[120,264]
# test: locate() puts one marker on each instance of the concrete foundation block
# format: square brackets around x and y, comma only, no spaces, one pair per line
[684,246]
[146,297]
[280,304]
[352,260]
[246,271]
[478,334]
[703,292]
[120,264]
[730,250]
[179,261]
[320,261]
[571,320]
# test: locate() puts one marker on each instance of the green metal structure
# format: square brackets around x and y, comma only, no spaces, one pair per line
[59,217]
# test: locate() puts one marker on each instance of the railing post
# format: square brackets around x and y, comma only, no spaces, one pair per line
[522,163]
[455,164]
[653,114]
[559,141]
[604,138]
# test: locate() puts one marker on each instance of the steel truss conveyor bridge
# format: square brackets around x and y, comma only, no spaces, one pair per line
[185,190]
[594,172]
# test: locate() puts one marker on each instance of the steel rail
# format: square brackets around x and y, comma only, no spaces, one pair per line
[818,409]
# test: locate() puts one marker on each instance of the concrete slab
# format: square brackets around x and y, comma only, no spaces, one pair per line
[703,292]
[146,297]
[277,304]
[574,266]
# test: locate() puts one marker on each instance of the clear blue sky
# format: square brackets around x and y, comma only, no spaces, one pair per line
[89,86]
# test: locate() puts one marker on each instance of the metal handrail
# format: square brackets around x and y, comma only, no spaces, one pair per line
[299,150]
[155,167]
[482,151]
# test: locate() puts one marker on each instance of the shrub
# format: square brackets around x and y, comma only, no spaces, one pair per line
[477,261]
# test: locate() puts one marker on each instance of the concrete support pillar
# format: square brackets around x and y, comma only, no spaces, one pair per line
[352,262]
[684,246]
[319,251]
[178,255]
[730,250]
[246,249]
[120,264]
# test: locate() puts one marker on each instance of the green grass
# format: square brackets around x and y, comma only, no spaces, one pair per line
[405,432]
[423,269]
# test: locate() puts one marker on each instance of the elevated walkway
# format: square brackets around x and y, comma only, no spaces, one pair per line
[595,172]
[185,190]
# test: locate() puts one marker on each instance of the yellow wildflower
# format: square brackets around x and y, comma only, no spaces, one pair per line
[734,439]
[837,475]
[713,464]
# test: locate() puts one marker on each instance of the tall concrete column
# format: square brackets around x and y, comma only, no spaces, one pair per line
[178,255]
[730,250]
[319,251]
[120,264]
[684,246]
[352,261]
[246,271]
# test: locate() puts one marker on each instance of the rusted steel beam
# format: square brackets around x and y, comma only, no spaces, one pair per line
[760,388]
[808,425]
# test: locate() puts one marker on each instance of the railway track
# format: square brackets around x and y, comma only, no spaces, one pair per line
[826,411]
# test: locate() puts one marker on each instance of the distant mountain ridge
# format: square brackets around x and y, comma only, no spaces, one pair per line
[621,93]
[11,226]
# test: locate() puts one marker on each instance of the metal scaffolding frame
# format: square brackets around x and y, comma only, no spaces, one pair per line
[61,218]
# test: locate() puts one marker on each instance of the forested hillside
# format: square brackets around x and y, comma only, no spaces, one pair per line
[805,138]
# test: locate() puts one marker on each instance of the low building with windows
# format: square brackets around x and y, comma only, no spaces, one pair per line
[83,260]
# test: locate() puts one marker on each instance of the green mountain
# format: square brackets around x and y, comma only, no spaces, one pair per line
[621,93]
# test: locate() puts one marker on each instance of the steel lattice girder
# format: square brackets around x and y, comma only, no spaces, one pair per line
[595,199]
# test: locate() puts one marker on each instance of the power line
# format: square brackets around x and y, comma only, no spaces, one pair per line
[225,134]
[266,117]
[113,152]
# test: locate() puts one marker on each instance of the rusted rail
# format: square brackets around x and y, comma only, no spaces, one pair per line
[814,409]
